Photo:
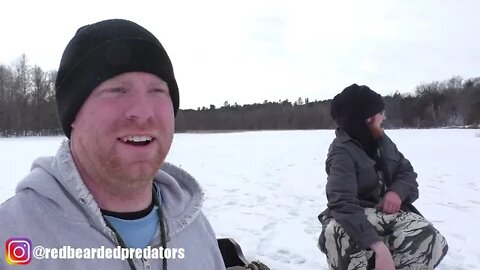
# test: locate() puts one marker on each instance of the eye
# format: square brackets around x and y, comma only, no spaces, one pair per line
[118,90]
[160,90]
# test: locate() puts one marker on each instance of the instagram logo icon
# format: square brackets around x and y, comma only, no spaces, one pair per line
[18,250]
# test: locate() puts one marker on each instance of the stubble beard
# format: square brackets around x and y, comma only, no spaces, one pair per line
[120,179]
[106,169]
[126,180]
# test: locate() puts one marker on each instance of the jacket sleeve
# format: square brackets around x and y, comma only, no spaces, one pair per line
[404,178]
[342,198]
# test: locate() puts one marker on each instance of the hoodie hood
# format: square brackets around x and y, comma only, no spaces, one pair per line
[57,179]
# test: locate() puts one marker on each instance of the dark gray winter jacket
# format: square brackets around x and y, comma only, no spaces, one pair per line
[353,184]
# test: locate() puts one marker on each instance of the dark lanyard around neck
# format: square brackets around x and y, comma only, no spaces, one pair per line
[163,235]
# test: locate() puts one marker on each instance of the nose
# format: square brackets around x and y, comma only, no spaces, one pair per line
[139,108]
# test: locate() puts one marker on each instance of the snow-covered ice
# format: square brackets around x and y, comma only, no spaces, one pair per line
[265,189]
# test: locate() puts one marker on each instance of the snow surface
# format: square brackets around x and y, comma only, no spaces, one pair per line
[265,189]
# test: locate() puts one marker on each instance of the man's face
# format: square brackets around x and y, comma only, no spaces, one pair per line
[124,130]
[375,124]
[377,119]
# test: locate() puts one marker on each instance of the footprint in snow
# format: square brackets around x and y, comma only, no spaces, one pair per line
[286,256]
[458,236]
[313,231]
[269,226]
[455,206]
[433,187]
[474,202]
[231,202]
[293,212]
[261,199]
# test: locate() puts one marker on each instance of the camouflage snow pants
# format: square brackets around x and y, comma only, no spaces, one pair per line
[412,240]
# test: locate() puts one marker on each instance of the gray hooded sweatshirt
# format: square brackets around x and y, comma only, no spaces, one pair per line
[53,208]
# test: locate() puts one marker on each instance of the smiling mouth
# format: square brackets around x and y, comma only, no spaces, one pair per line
[137,140]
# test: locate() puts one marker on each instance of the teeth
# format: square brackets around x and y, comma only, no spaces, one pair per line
[136,138]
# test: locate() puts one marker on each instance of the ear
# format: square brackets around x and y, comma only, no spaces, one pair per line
[369,120]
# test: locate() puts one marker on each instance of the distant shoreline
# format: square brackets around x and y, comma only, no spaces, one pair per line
[214,131]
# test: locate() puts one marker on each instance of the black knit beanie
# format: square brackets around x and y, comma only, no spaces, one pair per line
[101,51]
[354,105]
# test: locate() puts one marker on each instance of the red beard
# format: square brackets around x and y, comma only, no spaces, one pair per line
[377,132]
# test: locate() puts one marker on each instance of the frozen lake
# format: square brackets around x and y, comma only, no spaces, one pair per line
[265,189]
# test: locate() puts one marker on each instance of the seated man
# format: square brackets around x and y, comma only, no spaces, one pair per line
[370,220]
[108,185]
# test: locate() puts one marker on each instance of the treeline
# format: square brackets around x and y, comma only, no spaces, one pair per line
[27,107]
[454,102]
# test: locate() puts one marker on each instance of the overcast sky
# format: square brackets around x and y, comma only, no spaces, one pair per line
[251,51]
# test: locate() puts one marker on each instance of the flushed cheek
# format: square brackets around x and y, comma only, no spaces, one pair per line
[167,132]
[165,119]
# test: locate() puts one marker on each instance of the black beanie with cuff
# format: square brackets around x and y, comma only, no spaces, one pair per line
[101,51]
[355,104]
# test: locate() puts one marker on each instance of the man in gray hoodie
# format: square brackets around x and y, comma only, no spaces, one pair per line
[108,199]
